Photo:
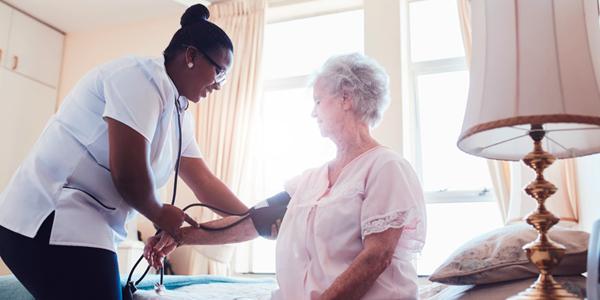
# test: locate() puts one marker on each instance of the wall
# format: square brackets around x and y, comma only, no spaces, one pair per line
[86,49]
[383,43]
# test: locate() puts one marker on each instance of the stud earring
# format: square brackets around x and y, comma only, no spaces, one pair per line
[190,65]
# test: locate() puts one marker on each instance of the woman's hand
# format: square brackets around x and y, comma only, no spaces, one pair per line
[171,218]
[274,230]
[158,247]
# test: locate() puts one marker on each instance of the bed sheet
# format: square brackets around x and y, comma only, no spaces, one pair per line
[207,287]
[215,291]
[178,287]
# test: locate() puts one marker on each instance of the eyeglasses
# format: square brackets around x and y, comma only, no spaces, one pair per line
[222,73]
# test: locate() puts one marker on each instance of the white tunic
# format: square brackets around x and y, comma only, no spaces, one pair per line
[324,229]
[67,171]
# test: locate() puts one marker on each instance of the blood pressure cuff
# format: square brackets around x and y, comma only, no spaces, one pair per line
[266,213]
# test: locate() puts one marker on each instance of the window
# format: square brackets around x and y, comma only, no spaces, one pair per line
[289,140]
[457,186]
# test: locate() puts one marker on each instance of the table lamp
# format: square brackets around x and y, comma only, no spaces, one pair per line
[534,84]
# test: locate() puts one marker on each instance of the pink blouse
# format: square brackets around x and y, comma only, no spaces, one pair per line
[324,229]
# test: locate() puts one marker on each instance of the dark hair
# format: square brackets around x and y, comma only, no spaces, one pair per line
[198,32]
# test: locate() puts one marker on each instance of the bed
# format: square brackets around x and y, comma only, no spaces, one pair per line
[489,267]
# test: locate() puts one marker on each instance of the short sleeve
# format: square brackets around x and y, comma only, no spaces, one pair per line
[133,98]
[393,198]
[192,149]
[291,185]
[190,145]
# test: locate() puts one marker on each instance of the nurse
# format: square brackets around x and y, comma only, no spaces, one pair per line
[113,142]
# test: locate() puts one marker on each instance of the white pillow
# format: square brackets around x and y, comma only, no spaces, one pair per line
[498,256]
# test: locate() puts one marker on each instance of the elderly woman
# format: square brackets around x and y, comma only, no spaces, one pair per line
[351,225]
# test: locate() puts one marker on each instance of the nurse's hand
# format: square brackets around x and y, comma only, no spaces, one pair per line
[158,247]
[171,218]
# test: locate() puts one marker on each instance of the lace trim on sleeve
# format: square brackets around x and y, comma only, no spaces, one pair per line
[413,237]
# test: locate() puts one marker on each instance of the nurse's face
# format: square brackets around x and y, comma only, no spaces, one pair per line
[206,74]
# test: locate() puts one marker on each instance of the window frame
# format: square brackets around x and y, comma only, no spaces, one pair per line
[411,104]
[411,115]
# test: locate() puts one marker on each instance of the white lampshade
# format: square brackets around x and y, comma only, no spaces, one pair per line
[533,62]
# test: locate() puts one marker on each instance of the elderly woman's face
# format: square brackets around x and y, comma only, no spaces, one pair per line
[327,110]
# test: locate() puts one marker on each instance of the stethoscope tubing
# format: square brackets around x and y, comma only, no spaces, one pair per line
[245,215]
[177,164]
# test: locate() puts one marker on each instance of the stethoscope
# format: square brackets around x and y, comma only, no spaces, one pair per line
[159,287]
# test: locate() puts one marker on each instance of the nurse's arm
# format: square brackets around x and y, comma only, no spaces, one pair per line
[366,267]
[159,246]
[209,189]
[134,180]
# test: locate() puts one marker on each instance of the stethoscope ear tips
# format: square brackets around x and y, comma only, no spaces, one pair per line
[160,289]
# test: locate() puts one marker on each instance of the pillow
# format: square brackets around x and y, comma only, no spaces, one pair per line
[498,256]
[500,291]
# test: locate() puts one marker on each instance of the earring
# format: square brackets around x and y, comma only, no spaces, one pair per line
[190,65]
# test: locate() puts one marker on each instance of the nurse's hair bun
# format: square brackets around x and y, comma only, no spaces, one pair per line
[194,14]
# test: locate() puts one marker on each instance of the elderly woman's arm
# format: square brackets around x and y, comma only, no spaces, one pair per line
[159,246]
[366,268]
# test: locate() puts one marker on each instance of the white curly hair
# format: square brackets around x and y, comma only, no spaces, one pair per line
[361,75]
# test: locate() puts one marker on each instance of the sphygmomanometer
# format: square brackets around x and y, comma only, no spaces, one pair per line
[263,216]
[267,212]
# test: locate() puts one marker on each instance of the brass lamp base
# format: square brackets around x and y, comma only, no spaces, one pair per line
[543,252]
[545,289]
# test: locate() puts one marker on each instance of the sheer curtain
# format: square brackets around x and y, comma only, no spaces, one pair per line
[509,179]
[224,120]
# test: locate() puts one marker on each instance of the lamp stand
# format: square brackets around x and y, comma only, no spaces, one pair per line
[543,252]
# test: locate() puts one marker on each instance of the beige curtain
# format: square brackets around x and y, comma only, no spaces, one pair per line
[508,179]
[224,120]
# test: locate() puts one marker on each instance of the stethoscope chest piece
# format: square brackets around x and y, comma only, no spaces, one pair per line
[160,289]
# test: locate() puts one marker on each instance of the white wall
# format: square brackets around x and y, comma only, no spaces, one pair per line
[85,50]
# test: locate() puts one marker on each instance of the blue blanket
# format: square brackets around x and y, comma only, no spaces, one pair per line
[11,288]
